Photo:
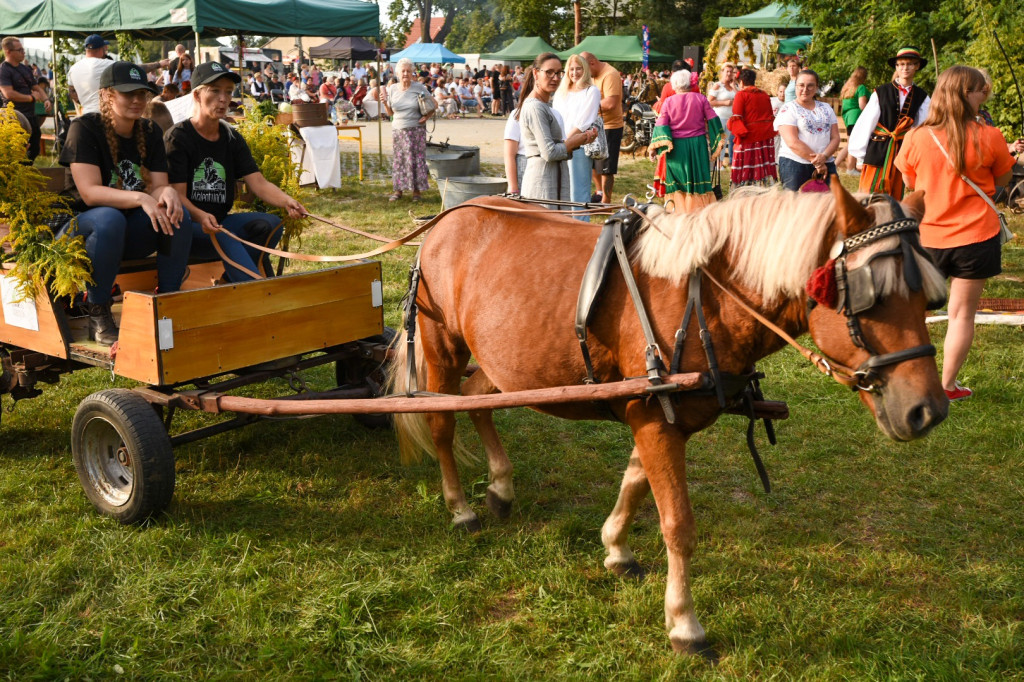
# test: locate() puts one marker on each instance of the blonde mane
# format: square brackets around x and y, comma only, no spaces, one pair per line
[774,239]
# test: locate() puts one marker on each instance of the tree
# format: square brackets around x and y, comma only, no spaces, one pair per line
[402,13]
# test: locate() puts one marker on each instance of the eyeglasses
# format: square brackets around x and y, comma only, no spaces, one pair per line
[551,73]
[15,49]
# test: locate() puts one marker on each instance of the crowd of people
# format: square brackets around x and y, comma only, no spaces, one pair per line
[137,187]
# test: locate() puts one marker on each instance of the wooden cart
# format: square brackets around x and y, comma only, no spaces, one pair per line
[196,339]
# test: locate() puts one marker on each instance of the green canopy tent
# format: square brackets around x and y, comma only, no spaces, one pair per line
[775,17]
[522,49]
[794,45]
[616,49]
[180,19]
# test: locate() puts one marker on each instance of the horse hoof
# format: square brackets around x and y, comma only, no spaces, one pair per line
[499,507]
[467,522]
[630,569]
[702,648]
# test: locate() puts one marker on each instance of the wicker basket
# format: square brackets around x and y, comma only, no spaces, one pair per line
[310,114]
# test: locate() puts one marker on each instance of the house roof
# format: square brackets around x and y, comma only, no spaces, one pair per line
[416,30]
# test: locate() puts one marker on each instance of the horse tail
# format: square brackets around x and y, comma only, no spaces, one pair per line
[414,436]
[413,430]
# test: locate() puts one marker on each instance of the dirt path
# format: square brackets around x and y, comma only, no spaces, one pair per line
[485,133]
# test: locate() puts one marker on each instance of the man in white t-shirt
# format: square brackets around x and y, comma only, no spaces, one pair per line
[84,75]
[358,73]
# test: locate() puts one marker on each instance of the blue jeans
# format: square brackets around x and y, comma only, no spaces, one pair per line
[580,179]
[112,235]
[792,174]
[260,228]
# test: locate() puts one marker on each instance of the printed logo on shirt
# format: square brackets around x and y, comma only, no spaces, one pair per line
[209,184]
[130,175]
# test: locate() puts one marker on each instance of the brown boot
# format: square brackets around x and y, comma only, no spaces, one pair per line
[102,328]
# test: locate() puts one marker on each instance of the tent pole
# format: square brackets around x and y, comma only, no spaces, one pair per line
[198,56]
[380,112]
[56,84]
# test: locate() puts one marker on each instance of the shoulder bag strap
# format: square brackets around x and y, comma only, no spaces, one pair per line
[963,177]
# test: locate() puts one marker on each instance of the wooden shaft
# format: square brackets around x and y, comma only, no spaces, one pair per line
[214,402]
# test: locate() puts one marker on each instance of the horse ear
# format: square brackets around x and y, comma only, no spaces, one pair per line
[852,217]
[913,204]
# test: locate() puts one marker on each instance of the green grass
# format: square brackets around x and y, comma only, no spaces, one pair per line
[305,551]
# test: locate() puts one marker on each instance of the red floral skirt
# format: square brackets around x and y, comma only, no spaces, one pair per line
[754,162]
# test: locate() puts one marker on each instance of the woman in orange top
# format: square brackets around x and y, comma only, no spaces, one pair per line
[959,228]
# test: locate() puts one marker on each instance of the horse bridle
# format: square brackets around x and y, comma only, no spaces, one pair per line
[856,289]
[856,295]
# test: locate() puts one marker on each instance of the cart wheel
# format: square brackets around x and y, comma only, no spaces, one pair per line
[123,455]
[358,372]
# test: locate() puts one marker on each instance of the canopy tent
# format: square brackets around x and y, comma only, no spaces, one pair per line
[428,53]
[182,19]
[774,17]
[615,49]
[344,48]
[794,45]
[251,55]
[522,49]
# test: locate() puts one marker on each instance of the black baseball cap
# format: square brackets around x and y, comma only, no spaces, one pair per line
[95,42]
[207,72]
[126,77]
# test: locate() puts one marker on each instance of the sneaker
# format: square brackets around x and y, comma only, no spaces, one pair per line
[854,173]
[959,392]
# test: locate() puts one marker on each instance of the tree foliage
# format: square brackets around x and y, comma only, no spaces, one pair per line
[851,33]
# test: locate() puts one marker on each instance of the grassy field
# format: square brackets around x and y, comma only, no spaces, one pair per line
[306,551]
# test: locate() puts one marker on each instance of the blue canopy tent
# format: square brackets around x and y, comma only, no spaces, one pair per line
[428,53]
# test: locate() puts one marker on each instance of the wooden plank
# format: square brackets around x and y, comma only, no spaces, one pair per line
[227,303]
[201,351]
[53,335]
[137,356]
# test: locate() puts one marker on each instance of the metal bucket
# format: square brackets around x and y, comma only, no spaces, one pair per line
[473,152]
[456,190]
[447,164]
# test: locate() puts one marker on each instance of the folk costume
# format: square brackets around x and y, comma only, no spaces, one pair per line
[752,125]
[890,114]
[684,135]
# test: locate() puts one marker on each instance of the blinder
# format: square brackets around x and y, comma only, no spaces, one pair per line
[856,291]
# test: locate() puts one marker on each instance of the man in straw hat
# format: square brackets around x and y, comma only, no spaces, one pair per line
[892,111]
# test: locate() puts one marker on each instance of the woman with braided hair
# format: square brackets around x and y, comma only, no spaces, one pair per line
[117,185]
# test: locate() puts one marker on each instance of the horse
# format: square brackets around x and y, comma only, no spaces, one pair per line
[500,284]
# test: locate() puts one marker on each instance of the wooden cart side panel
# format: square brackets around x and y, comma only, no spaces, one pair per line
[137,356]
[239,302]
[230,327]
[53,335]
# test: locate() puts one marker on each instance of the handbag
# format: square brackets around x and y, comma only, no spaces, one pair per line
[716,179]
[598,149]
[815,184]
[428,105]
[1005,234]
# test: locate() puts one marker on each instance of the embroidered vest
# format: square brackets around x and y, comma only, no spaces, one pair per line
[889,116]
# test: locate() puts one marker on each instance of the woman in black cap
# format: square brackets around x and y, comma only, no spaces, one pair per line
[206,158]
[117,184]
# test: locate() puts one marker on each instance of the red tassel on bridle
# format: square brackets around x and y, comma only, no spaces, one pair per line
[821,286]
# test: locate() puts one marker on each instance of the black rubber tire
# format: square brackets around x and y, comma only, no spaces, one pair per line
[628,136]
[356,374]
[123,455]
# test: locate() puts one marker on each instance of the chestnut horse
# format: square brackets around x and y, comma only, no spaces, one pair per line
[502,286]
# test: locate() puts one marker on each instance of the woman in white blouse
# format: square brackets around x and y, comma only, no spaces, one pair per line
[578,100]
[810,135]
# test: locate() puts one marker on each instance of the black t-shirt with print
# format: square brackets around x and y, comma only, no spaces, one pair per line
[87,143]
[20,79]
[209,169]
